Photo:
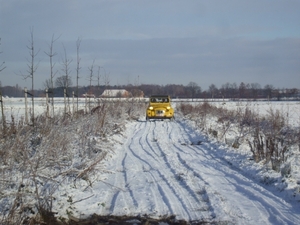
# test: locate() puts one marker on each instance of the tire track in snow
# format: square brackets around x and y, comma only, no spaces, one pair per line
[165,195]
[263,207]
[175,183]
[185,148]
[231,172]
[127,184]
[120,201]
[187,196]
[145,138]
[213,195]
[178,135]
[169,192]
[150,140]
[264,201]
[119,197]
[207,195]
[194,185]
[140,164]
[161,173]
[254,195]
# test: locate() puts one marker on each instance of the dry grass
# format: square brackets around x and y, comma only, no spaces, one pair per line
[269,137]
[34,161]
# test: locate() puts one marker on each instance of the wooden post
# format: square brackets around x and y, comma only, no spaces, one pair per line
[89,102]
[73,102]
[47,103]
[65,101]
[3,116]
[52,102]
[26,111]
[86,103]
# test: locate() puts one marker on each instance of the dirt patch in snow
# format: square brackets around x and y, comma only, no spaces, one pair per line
[50,219]
[113,220]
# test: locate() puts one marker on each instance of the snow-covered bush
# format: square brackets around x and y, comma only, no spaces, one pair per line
[269,137]
[35,161]
[272,138]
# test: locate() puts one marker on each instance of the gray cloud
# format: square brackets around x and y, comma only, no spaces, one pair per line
[160,42]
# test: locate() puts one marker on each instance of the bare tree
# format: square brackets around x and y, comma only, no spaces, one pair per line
[91,69]
[193,88]
[90,78]
[212,90]
[47,84]
[254,87]
[224,90]
[98,79]
[2,67]
[242,90]
[229,90]
[63,82]
[50,82]
[233,90]
[66,79]
[106,79]
[32,67]
[268,89]
[78,42]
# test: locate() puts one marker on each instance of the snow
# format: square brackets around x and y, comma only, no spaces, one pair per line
[155,170]
[170,168]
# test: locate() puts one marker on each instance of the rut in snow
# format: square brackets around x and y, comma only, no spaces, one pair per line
[159,172]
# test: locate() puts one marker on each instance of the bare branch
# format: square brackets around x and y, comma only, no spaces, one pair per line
[32,67]
[49,83]
[66,67]
[91,69]
[78,42]
[2,67]
[51,54]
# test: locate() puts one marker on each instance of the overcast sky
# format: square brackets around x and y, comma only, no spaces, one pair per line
[155,41]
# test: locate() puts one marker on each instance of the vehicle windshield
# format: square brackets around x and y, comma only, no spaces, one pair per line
[159,99]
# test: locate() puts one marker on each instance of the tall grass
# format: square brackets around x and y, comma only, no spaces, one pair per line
[35,161]
[269,137]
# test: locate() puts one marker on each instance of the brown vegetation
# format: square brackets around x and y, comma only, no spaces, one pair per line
[34,161]
[269,137]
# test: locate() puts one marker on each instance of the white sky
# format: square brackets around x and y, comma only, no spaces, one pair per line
[156,41]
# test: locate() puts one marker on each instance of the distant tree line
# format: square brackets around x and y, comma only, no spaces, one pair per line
[191,90]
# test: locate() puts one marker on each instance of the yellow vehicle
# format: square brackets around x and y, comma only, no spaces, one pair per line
[159,108]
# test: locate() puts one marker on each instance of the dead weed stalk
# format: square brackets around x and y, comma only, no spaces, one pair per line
[269,137]
[34,161]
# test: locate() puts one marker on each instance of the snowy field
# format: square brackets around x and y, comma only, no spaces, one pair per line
[16,106]
[291,109]
[170,168]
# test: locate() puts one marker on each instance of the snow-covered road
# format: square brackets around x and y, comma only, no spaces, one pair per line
[164,168]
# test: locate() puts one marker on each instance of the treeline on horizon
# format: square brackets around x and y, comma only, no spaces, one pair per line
[191,90]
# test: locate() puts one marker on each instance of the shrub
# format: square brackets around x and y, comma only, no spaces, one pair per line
[269,137]
[34,161]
